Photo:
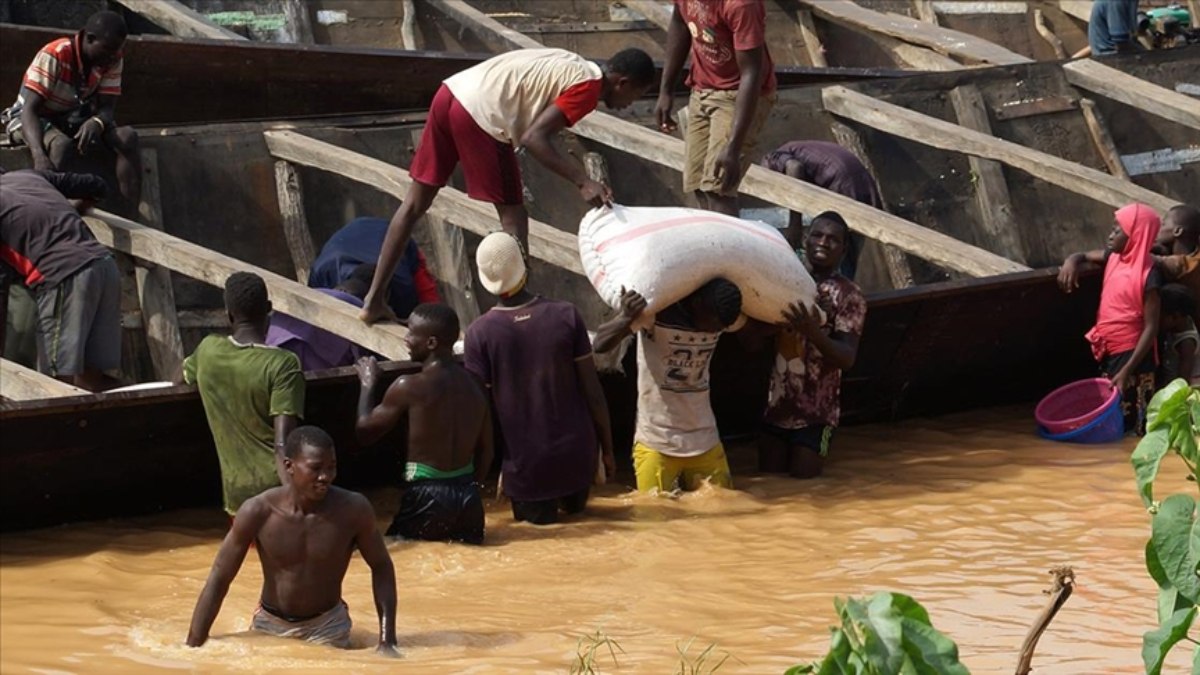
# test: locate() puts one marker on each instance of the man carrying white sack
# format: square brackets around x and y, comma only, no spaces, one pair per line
[676,444]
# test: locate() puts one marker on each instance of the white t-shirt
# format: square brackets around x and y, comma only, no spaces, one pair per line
[506,93]
[674,415]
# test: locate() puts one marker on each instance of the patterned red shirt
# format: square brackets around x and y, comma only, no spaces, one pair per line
[57,75]
[719,29]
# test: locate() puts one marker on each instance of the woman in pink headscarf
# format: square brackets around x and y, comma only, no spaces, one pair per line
[1123,339]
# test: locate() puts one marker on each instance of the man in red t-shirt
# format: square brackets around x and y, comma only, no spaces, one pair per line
[733,89]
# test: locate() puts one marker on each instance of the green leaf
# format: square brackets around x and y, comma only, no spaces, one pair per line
[1156,643]
[1146,458]
[808,669]
[1168,404]
[1195,406]
[910,608]
[1171,535]
[884,633]
[1169,602]
[931,652]
[1155,568]
[1196,660]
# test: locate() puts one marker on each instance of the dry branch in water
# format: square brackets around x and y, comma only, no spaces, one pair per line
[1064,583]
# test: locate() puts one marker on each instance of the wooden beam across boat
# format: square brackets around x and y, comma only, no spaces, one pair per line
[656,12]
[545,242]
[914,126]
[798,195]
[179,19]
[943,40]
[495,34]
[287,296]
[1133,91]
[19,383]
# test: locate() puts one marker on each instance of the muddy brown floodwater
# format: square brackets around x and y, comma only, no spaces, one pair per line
[965,513]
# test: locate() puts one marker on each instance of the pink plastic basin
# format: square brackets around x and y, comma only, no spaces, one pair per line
[1074,405]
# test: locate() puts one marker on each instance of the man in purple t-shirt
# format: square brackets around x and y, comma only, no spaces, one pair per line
[535,358]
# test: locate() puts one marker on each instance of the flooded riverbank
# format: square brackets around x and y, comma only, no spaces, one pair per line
[964,513]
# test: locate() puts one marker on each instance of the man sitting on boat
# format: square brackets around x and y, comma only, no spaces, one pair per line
[305,533]
[449,432]
[1179,244]
[68,100]
[535,358]
[252,393]
[73,277]
[676,443]
[830,166]
[521,98]
[804,404]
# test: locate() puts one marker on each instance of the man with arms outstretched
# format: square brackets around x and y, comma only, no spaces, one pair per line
[522,98]
[305,533]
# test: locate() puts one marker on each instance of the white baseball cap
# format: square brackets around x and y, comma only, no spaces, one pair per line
[501,265]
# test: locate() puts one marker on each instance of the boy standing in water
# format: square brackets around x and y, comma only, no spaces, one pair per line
[449,432]
[676,438]
[804,403]
[305,533]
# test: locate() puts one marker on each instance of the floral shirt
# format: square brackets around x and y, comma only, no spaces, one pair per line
[806,390]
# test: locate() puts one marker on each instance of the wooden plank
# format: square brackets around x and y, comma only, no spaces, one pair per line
[545,242]
[937,133]
[658,13]
[22,384]
[925,11]
[991,190]
[1037,106]
[1194,11]
[559,27]
[1080,9]
[408,26]
[205,319]
[912,57]
[1103,140]
[943,40]
[1133,91]
[812,42]
[295,224]
[797,195]
[1039,22]
[287,296]
[155,292]
[898,268]
[492,32]
[179,19]
[299,23]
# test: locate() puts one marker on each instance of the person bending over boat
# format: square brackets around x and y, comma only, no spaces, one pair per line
[676,443]
[73,278]
[317,348]
[1130,306]
[305,533]
[68,100]
[1179,245]
[534,357]
[804,403]
[449,432]
[830,166]
[522,98]
[253,393]
[733,90]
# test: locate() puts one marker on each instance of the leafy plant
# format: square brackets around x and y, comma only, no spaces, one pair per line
[1173,552]
[886,634]
[588,650]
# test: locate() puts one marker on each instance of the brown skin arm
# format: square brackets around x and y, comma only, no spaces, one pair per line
[593,393]
[284,424]
[755,334]
[374,422]
[1151,314]
[383,574]
[31,129]
[538,139]
[728,162]
[1068,275]
[611,332]
[1187,361]
[484,450]
[91,130]
[838,348]
[679,40]
[250,518]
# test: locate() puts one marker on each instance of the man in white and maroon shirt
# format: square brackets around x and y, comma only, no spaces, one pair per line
[68,101]
[479,116]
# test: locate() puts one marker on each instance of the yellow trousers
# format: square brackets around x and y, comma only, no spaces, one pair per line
[655,470]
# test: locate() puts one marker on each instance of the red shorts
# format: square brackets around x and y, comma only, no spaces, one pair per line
[451,137]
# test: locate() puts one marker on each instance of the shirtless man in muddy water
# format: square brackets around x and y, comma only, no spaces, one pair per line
[305,533]
[449,432]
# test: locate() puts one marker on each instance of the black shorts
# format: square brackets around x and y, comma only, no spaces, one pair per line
[545,511]
[816,437]
[440,510]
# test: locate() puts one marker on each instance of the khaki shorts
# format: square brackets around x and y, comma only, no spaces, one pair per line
[330,628]
[710,122]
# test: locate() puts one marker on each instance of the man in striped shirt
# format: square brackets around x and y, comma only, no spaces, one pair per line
[68,101]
